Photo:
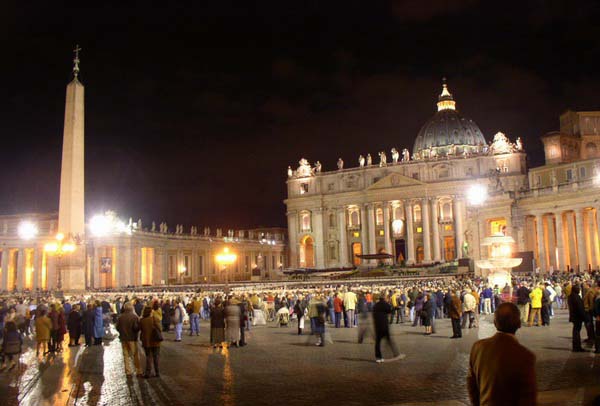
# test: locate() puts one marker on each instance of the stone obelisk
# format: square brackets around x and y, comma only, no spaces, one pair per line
[71,219]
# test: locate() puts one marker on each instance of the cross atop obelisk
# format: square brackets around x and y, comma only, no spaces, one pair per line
[76,61]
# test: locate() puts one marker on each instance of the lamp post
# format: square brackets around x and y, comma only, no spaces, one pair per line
[225,259]
[59,248]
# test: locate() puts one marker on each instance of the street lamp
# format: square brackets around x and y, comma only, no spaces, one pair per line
[226,258]
[59,248]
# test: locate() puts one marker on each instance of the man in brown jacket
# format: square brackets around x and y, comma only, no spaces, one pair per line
[502,371]
[455,313]
[148,325]
[128,328]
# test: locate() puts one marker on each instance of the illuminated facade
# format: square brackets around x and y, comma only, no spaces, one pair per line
[417,207]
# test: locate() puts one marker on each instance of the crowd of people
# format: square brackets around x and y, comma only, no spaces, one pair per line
[143,316]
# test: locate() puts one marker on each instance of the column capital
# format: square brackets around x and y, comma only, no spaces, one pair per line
[291,212]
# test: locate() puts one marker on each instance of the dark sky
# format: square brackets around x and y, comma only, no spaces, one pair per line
[194,112]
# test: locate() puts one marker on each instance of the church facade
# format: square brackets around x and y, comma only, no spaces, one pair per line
[65,250]
[437,204]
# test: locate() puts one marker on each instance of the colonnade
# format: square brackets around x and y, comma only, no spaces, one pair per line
[567,238]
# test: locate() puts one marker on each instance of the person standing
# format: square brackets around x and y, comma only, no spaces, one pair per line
[98,323]
[427,312]
[338,306]
[11,344]
[128,327]
[588,305]
[53,316]
[232,317]
[217,323]
[167,310]
[177,319]
[299,309]
[350,301]
[455,312]
[195,316]
[88,324]
[74,326]
[597,317]
[62,329]
[317,313]
[577,317]
[536,306]
[381,312]
[501,370]
[43,327]
[151,345]
[468,306]
[523,302]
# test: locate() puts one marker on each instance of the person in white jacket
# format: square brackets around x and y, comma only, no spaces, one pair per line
[469,307]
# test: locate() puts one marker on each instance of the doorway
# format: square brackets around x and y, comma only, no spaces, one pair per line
[400,246]
[307,252]
[356,250]
[449,249]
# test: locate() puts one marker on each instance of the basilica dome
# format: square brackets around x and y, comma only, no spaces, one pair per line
[447,132]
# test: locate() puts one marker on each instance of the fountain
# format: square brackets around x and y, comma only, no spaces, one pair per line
[497,268]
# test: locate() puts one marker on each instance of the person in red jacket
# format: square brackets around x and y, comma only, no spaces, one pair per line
[338,308]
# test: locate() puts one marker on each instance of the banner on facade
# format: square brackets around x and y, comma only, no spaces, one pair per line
[105,264]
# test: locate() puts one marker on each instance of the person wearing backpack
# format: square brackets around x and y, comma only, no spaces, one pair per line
[11,345]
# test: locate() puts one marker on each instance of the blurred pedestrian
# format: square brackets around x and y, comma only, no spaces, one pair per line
[148,327]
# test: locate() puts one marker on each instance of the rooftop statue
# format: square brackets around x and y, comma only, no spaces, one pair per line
[304,170]
[382,159]
[519,144]
[405,155]
[369,160]
[290,173]
[318,167]
[395,155]
[361,161]
[502,145]
[340,164]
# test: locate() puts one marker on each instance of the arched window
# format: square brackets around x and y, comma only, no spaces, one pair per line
[446,210]
[417,212]
[305,221]
[379,216]
[353,217]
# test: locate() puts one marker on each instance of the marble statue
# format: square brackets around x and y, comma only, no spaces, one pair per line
[395,155]
[519,144]
[501,144]
[290,173]
[219,232]
[340,164]
[318,167]
[369,160]
[304,168]
[361,161]
[405,155]
[153,226]
[382,159]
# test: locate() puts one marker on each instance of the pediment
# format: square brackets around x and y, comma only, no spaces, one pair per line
[394,180]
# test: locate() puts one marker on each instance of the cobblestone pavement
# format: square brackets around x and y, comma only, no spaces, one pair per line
[280,367]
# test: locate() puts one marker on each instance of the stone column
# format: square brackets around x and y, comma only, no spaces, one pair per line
[597,231]
[458,225]
[410,242]
[292,238]
[581,252]
[386,228]
[4,265]
[372,234]
[20,282]
[539,226]
[37,267]
[318,238]
[426,231]
[364,230]
[436,231]
[343,236]
[560,246]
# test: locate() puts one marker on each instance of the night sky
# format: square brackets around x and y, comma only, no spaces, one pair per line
[194,112]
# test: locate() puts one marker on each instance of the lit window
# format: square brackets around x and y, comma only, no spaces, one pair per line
[419,229]
[398,213]
[353,217]
[303,188]
[417,212]
[356,234]
[305,221]
[398,227]
[379,216]
[381,233]
[448,227]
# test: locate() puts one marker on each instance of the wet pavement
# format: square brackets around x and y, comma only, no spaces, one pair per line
[280,367]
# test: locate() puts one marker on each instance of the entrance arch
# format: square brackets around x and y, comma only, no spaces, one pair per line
[307,252]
